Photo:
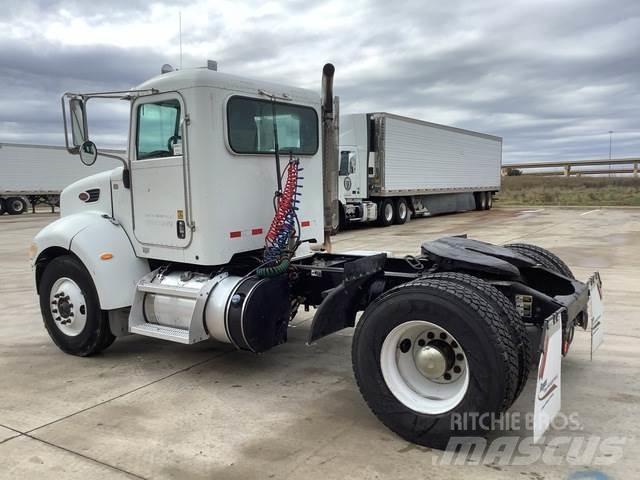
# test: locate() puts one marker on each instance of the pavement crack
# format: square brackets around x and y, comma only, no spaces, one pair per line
[197,364]
[86,457]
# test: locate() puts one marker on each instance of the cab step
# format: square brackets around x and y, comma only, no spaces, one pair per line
[172,334]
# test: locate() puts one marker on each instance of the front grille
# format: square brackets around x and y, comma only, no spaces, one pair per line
[94,195]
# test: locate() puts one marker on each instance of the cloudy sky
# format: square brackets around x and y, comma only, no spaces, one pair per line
[551,77]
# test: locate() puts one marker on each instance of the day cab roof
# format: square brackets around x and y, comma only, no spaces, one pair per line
[204,77]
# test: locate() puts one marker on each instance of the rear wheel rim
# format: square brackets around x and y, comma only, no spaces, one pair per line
[17,206]
[388,212]
[402,211]
[411,360]
[68,306]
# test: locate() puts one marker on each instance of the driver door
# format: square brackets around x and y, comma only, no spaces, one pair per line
[159,173]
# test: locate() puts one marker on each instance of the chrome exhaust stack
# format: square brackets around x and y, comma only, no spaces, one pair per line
[330,127]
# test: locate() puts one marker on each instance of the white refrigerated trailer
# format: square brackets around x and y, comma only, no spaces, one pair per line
[32,174]
[392,167]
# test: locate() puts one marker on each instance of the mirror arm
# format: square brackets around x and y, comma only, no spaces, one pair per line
[125,174]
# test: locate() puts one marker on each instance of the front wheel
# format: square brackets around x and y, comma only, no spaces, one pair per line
[71,309]
[428,352]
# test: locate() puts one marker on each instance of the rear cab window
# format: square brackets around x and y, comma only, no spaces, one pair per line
[251,126]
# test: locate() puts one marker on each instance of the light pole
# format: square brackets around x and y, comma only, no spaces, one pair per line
[610,144]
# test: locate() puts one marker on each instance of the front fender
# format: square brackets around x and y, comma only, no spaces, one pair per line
[104,249]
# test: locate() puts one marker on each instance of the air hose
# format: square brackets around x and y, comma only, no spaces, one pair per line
[279,241]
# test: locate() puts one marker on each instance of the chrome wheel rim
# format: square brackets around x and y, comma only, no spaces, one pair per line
[388,212]
[68,306]
[17,206]
[424,367]
[402,210]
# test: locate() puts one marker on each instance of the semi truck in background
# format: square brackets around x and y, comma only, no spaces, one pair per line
[33,174]
[392,167]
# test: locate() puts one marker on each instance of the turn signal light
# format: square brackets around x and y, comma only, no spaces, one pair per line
[106,256]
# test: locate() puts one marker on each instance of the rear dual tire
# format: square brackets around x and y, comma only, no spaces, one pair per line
[483,200]
[418,406]
[542,256]
[13,205]
[392,211]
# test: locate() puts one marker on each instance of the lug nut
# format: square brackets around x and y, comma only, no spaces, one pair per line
[447,376]
[430,335]
[443,335]
[454,344]
[421,342]
[457,369]
[459,357]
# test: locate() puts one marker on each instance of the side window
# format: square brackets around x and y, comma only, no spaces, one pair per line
[344,163]
[347,163]
[158,132]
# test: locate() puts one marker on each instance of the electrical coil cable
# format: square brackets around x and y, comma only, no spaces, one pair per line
[282,238]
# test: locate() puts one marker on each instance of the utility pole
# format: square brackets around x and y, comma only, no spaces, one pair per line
[610,144]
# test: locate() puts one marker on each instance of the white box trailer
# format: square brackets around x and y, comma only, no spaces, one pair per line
[393,166]
[38,173]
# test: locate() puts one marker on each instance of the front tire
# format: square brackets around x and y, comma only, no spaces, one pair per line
[392,367]
[71,309]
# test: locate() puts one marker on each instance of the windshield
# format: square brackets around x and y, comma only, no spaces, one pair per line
[250,125]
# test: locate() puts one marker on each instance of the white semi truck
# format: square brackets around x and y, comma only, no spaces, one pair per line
[393,167]
[33,174]
[216,226]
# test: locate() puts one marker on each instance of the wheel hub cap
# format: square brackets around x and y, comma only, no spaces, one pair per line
[431,362]
[68,306]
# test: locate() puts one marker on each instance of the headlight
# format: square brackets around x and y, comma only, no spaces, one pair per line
[33,249]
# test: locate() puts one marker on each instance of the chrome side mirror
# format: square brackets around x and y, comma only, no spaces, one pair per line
[79,133]
[88,153]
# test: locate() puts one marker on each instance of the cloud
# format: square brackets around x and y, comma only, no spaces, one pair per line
[550,77]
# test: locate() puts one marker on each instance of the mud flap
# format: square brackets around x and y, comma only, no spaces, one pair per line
[596,312]
[338,309]
[548,391]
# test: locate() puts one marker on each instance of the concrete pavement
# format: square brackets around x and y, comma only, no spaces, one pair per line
[150,409]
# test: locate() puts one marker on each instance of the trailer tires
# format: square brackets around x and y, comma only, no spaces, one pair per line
[481,200]
[15,205]
[401,211]
[413,333]
[71,309]
[386,212]
[2,206]
[543,256]
[489,200]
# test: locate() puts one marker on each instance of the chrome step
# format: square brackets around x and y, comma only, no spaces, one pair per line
[169,291]
[173,334]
